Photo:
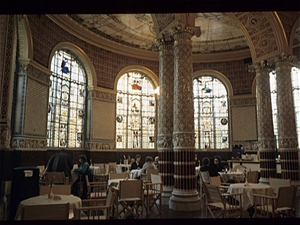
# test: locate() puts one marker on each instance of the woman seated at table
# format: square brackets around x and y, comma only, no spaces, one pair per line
[217,166]
[148,165]
[137,164]
[130,159]
[206,167]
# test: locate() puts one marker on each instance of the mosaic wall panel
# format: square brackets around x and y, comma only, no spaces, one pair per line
[236,71]
[104,120]
[47,34]
[36,108]
[244,123]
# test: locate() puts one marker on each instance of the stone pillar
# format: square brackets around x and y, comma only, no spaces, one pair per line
[165,118]
[286,120]
[265,124]
[185,195]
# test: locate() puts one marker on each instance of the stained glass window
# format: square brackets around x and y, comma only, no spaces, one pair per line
[295,73]
[67,94]
[210,113]
[136,112]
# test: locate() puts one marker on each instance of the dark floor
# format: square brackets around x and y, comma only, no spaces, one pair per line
[171,214]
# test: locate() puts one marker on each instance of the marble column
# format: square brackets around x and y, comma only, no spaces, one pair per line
[265,129]
[165,118]
[185,196]
[286,120]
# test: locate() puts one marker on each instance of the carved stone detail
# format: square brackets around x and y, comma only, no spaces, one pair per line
[28,143]
[5,138]
[184,140]
[103,96]
[100,145]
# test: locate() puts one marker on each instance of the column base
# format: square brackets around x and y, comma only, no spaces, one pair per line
[166,194]
[185,201]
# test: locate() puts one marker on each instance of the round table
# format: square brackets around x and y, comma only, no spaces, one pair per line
[74,201]
[247,191]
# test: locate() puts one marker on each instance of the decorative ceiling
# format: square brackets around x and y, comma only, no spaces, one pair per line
[219,32]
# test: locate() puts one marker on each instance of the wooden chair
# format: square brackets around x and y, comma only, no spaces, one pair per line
[100,177]
[111,167]
[102,167]
[56,189]
[46,212]
[59,178]
[252,176]
[218,204]
[117,176]
[204,178]
[241,167]
[131,198]
[96,189]
[148,174]
[275,183]
[153,193]
[270,206]
[97,209]
[216,180]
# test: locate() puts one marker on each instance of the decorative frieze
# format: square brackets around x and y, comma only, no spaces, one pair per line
[5,138]
[103,96]
[28,143]
[100,145]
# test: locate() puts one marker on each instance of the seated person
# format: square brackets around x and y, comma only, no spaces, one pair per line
[137,164]
[148,165]
[130,159]
[217,166]
[81,171]
[156,159]
[205,167]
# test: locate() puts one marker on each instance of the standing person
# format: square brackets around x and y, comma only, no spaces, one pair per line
[156,159]
[196,161]
[61,162]
[81,171]
[137,164]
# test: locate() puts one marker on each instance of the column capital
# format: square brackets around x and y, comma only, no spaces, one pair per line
[283,57]
[182,28]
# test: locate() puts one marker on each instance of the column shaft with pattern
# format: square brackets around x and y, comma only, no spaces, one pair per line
[286,120]
[165,118]
[265,124]
[184,196]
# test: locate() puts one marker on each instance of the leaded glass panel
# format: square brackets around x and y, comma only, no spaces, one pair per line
[136,112]
[65,127]
[210,113]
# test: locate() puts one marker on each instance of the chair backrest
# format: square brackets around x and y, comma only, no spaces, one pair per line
[119,169]
[286,197]
[156,179]
[111,167]
[252,176]
[117,176]
[111,196]
[59,178]
[46,212]
[212,193]
[151,171]
[101,177]
[205,177]
[241,167]
[131,189]
[56,189]
[216,180]
[275,183]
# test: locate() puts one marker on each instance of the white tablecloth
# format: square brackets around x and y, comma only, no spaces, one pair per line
[74,201]
[247,191]
[237,176]
[134,174]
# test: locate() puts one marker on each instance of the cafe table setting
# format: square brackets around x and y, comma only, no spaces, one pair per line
[51,199]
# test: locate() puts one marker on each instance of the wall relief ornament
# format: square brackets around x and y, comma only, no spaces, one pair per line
[5,137]
[100,146]
[184,140]
[28,143]
[164,142]
[104,96]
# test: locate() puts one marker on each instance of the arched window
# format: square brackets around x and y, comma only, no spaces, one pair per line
[67,102]
[136,111]
[210,113]
[295,73]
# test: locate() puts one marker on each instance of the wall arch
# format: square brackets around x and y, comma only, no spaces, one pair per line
[138,68]
[218,75]
[25,39]
[296,26]
[264,33]
[85,60]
